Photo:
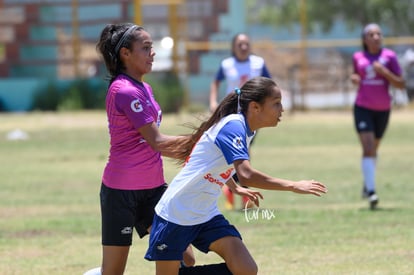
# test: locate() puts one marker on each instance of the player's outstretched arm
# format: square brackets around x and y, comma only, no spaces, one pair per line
[248,176]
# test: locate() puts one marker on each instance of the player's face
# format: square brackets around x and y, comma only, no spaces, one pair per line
[373,39]
[139,59]
[271,110]
[241,47]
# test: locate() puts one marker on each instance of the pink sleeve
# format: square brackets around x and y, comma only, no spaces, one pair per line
[133,103]
[394,66]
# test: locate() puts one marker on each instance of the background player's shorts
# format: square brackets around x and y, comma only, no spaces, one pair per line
[367,120]
[123,210]
[168,240]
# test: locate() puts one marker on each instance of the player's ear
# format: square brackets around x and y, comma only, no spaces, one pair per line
[124,52]
[254,107]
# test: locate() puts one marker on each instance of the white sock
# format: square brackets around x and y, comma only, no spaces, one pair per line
[368,170]
[93,271]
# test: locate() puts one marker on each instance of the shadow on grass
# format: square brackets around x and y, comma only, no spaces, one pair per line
[380,209]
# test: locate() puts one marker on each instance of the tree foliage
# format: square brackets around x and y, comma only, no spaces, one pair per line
[396,15]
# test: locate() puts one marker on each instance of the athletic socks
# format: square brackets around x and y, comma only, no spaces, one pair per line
[368,170]
[216,269]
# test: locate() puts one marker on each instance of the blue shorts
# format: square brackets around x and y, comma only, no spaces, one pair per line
[168,240]
[367,120]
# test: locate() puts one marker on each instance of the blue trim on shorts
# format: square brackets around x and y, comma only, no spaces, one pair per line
[168,240]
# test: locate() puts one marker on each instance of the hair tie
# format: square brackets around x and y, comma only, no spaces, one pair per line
[123,38]
[238,93]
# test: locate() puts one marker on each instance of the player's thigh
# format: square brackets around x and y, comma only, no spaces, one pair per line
[369,143]
[235,254]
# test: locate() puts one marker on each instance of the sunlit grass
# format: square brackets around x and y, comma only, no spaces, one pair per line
[49,199]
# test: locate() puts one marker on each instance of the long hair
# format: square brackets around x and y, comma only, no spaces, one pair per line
[114,37]
[255,90]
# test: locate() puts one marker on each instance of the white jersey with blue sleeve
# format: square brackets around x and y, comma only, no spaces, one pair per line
[192,196]
[236,72]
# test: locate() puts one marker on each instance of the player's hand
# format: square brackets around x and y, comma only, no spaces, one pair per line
[379,68]
[355,79]
[310,187]
[253,195]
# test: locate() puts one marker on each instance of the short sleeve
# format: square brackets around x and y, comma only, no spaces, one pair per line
[354,63]
[220,74]
[231,140]
[265,71]
[133,103]
[394,66]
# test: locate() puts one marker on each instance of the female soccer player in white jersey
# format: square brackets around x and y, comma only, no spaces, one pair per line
[235,70]
[187,213]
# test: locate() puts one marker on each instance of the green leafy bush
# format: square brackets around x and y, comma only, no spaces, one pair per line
[47,98]
[168,90]
[78,94]
[86,94]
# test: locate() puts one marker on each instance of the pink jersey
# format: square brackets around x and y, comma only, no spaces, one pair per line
[373,92]
[132,164]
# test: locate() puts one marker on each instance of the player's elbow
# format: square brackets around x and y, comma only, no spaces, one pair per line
[245,178]
[156,144]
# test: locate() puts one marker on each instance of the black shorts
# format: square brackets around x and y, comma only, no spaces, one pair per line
[367,120]
[123,210]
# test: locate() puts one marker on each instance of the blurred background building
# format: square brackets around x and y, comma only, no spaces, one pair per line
[44,40]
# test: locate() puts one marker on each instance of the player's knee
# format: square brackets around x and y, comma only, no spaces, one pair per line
[189,261]
[244,269]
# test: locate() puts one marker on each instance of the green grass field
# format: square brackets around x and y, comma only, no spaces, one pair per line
[49,201]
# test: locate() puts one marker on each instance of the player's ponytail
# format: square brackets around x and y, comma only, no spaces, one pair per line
[256,89]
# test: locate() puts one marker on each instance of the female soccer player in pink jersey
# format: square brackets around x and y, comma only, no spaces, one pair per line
[133,179]
[375,68]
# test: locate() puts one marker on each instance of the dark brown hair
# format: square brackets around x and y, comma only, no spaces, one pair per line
[114,37]
[257,89]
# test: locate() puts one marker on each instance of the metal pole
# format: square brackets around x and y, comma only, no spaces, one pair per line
[173,23]
[75,38]
[185,59]
[304,48]
[137,12]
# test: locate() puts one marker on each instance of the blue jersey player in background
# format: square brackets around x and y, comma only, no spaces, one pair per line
[235,70]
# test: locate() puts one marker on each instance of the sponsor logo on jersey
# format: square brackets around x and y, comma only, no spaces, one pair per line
[237,143]
[136,106]
[227,174]
[211,179]
[159,116]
